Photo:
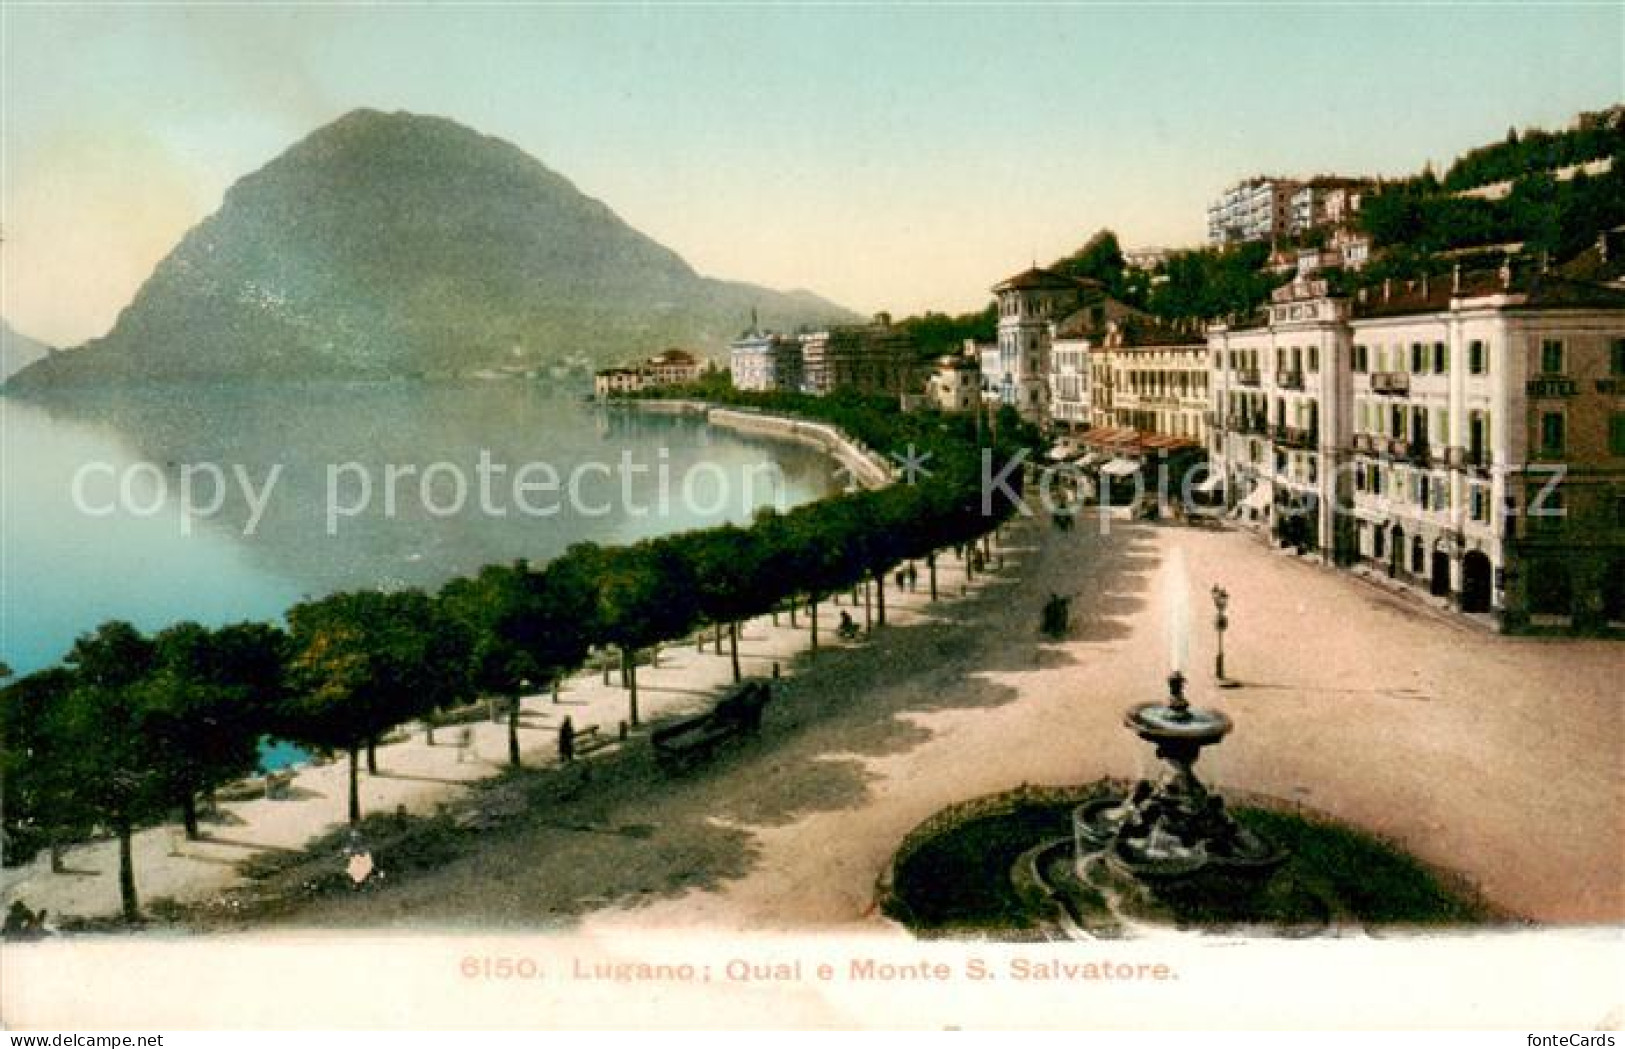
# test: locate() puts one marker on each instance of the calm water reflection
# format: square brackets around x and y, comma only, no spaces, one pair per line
[360,486]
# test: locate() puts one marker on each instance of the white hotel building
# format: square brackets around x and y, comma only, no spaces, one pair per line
[1466,436]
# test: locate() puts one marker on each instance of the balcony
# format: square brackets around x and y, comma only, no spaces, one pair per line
[1478,461]
[1364,443]
[1391,382]
[1289,380]
[1247,376]
[1418,452]
[1551,386]
[1293,437]
[1613,387]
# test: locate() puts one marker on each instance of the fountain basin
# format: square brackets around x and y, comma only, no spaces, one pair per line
[1159,722]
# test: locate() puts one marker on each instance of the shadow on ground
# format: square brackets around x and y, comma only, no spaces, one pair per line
[539,847]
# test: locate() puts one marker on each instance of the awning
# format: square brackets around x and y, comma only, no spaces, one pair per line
[1258,498]
[1121,468]
[1213,482]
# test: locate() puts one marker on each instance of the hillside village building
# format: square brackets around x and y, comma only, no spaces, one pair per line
[871,358]
[668,368]
[765,362]
[1259,208]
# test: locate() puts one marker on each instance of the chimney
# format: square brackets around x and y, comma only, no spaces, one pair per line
[1506,273]
[1387,288]
[1455,279]
[1424,286]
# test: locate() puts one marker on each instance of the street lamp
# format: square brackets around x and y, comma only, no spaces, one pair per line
[1221,601]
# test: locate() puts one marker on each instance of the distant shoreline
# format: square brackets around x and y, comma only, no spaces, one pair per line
[867,467]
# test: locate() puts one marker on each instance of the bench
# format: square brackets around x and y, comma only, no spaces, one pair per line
[695,738]
[590,739]
[277,784]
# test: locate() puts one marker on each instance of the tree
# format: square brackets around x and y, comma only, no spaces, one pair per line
[209,699]
[365,662]
[644,595]
[524,627]
[1100,259]
[106,741]
[729,581]
[40,766]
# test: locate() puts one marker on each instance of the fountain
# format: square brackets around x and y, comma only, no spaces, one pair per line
[1176,829]
[1105,860]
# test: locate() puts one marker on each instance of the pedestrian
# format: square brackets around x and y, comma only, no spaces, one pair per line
[567,741]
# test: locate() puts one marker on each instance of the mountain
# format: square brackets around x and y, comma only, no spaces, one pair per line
[393,244]
[17,351]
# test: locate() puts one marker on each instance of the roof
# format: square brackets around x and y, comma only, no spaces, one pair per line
[1526,290]
[674,356]
[1128,439]
[1037,278]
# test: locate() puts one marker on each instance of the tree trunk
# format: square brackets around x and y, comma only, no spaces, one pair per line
[629,671]
[355,787]
[372,755]
[126,873]
[733,648]
[428,728]
[189,815]
[813,610]
[719,639]
[793,603]
[868,610]
[513,731]
[604,660]
[931,566]
[880,598]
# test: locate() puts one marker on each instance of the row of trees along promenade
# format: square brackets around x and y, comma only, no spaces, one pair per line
[130,730]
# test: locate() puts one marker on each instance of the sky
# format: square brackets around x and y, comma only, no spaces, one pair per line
[896,157]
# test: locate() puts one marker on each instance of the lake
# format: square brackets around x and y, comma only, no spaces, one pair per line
[227,503]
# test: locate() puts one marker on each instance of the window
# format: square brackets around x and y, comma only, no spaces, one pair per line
[1551,356]
[1477,362]
[1616,434]
[1616,358]
[1360,358]
[1441,358]
[1416,358]
[1314,358]
[1479,503]
[1551,433]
